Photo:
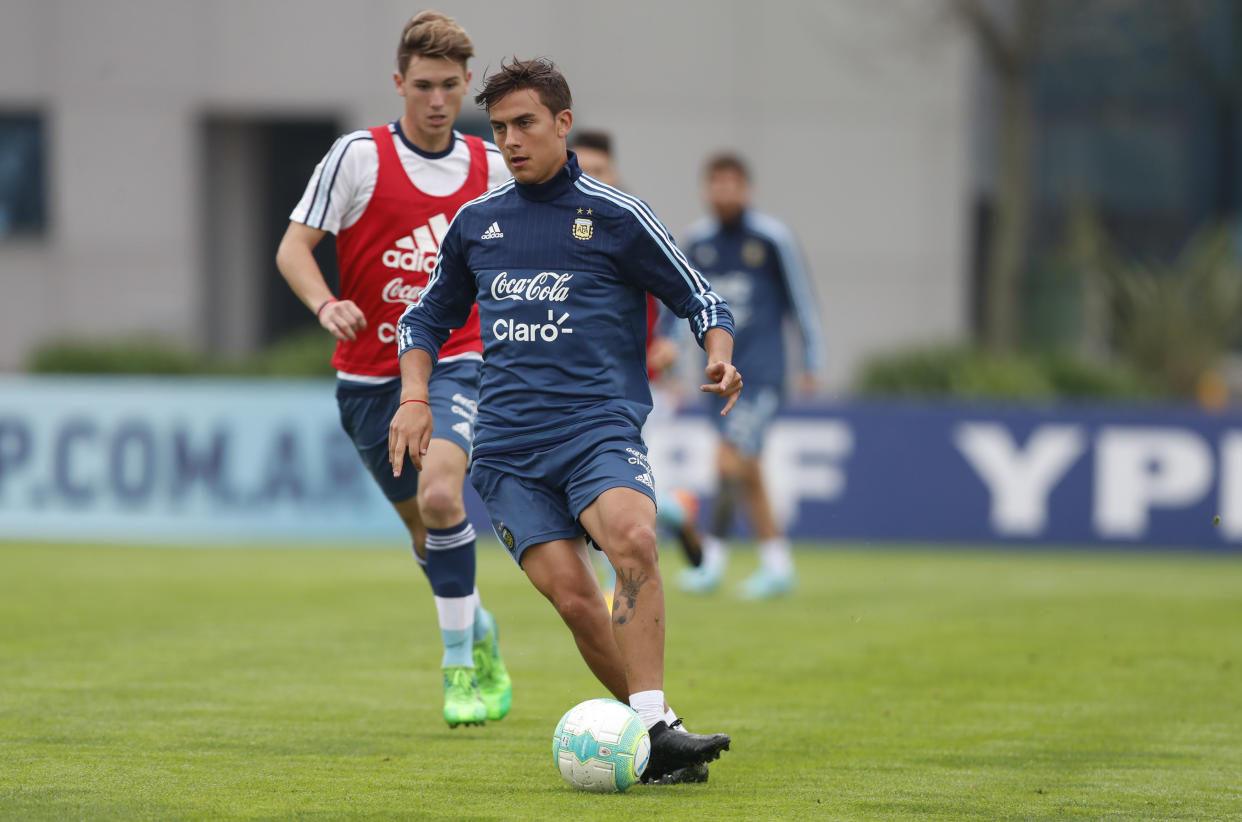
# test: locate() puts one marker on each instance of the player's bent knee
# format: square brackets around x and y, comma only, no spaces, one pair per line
[635,544]
[577,608]
[439,501]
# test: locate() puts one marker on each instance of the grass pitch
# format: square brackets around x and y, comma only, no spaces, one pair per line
[141,683]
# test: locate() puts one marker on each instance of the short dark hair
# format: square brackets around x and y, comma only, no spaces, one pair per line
[726,161]
[539,74]
[598,140]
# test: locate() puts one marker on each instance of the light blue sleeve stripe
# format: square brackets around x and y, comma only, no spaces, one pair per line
[798,282]
[656,229]
[700,289]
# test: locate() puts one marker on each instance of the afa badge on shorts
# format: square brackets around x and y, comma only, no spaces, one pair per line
[583,228]
[506,536]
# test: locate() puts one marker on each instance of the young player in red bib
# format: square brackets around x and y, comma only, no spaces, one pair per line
[388,194]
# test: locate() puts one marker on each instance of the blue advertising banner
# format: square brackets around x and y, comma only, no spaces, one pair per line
[240,460]
[941,472]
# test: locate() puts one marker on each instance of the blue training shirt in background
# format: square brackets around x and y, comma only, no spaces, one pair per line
[559,270]
[756,266]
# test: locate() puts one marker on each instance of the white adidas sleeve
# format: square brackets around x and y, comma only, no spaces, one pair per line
[341,187]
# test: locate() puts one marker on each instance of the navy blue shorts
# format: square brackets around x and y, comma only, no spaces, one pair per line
[367,410]
[538,496]
[746,426]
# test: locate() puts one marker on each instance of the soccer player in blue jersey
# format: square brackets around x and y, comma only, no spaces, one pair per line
[559,264]
[753,260]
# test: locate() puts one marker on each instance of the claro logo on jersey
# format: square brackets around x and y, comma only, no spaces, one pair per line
[417,251]
[550,331]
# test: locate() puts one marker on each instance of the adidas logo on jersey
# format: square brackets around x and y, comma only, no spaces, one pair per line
[645,479]
[493,232]
[417,250]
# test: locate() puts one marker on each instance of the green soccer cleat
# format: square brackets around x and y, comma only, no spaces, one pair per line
[462,705]
[767,584]
[495,687]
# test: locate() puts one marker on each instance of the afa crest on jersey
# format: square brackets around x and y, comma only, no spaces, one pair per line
[583,228]
[753,253]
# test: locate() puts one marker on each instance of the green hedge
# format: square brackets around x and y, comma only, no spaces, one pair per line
[303,354]
[958,371]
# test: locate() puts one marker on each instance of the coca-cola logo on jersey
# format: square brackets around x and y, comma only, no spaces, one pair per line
[547,286]
[399,291]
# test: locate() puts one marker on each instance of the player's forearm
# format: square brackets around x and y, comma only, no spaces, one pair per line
[416,365]
[718,343]
[297,265]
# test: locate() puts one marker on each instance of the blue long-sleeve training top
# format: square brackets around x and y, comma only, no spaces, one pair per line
[559,270]
[757,266]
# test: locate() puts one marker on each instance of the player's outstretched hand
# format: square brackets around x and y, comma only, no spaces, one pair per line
[343,318]
[726,382]
[409,432]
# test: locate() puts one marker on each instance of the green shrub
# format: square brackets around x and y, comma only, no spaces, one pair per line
[302,354]
[306,353]
[1075,378]
[967,372]
[132,355]
[1173,320]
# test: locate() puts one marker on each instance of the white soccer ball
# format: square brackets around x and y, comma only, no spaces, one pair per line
[601,746]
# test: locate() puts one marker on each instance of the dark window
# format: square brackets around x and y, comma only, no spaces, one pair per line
[23,175]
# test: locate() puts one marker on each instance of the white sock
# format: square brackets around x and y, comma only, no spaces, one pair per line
[456,616]
[649,705]
[670,716]
[715,553]
[775,555]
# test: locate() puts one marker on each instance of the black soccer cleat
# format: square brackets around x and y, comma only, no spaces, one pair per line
[673,751]
[681,776]
[693,774]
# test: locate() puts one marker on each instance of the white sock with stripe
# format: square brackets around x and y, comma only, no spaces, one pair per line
[450,568]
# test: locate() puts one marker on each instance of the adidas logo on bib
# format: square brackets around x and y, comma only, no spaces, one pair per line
[417,250]
[493,232]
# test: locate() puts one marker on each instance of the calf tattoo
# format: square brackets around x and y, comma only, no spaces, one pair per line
[630,582]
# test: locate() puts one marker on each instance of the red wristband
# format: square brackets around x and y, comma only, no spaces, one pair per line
[403,402]
[324,305]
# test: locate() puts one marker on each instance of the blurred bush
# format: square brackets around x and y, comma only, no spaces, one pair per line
[133,355]
[1120,328]
[303,354]
[1173,321]
[974,373]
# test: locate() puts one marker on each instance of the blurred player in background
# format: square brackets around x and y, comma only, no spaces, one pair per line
[753,260]
[676,510]
[388,194]
[560,265]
